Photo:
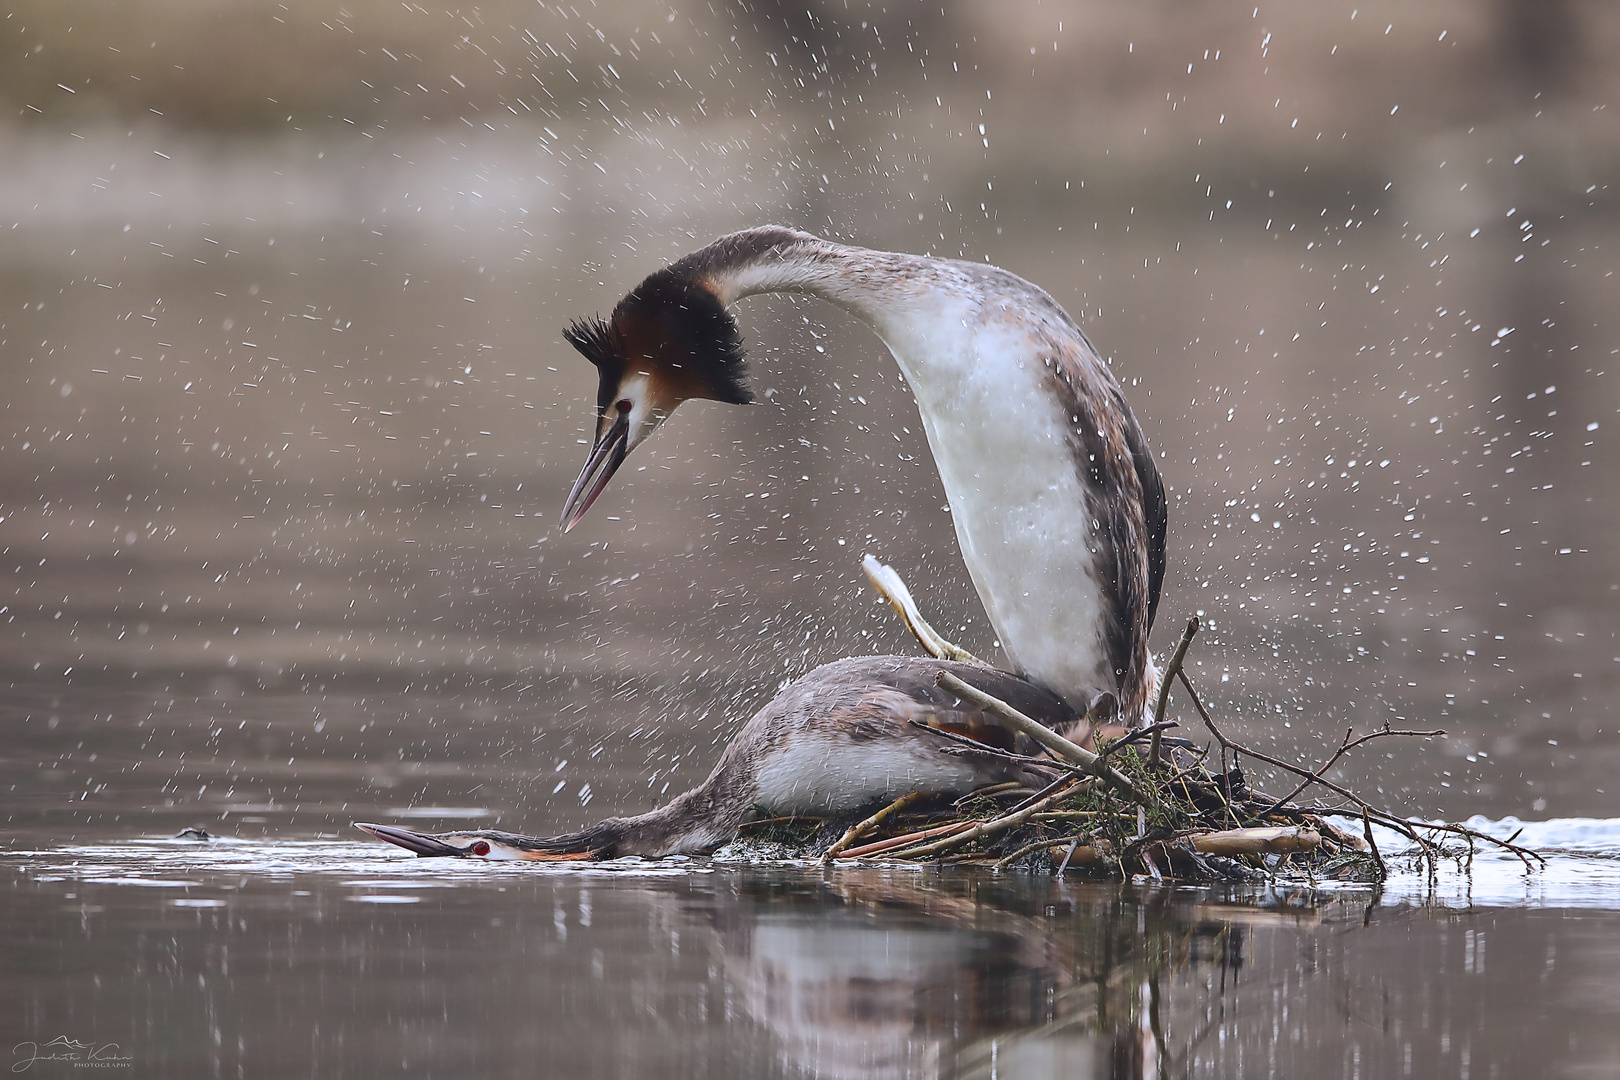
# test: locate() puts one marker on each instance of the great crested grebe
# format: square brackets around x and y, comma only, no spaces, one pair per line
[848,734]
[1058,507]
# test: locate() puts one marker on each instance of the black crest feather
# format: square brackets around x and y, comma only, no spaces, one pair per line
[603,346]
[701,336]
[594,338]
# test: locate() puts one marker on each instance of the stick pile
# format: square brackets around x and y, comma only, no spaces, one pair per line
[1139,806]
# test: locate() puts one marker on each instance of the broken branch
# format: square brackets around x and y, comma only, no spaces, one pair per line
[1170,672]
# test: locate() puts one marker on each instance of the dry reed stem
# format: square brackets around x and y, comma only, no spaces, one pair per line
[893,842]
[986,828]
[862,828]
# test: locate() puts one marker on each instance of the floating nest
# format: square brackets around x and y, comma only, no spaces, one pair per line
[1184,822]
[1144,805]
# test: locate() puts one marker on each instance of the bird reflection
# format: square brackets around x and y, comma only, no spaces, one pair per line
[867,976]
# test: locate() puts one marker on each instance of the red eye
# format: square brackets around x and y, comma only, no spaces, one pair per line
[480,847]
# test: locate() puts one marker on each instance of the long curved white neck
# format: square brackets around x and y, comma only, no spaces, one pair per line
[910,301]
[977,344]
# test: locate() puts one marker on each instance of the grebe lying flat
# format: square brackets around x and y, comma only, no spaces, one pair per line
[1058,507]
[838,739]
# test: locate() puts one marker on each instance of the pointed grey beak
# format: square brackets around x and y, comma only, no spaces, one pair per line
[424,846]
[606,457]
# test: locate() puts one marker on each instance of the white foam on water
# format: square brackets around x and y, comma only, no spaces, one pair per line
[391,899]
[1581,870]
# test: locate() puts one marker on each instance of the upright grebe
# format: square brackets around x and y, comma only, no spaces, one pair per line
[851,733]
[1059,509]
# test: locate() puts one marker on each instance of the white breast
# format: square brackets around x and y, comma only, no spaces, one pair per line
[1000,441]
[968,339]
[821,769]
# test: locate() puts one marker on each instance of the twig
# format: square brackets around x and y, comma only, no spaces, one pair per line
[1136,737]
[975,746]
[989,790]
[1343,749]
[1048,789]
[1063,748]
[1408,828]
[862,828]
[894,842]
[1338,836]
[1524,854]
[1399,824]
[1366,828]
[986,828]
[893,589]
[1170,672]
[1073,849]
[1072,841]
[1311,778]
[1203,714]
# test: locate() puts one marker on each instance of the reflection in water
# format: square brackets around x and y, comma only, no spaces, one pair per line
[199,959]
[902,978]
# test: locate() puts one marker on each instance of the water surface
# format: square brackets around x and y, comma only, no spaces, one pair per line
[338,957]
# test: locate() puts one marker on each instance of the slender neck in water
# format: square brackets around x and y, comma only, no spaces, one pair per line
[693,822]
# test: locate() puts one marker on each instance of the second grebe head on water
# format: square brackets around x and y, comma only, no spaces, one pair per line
[852,734]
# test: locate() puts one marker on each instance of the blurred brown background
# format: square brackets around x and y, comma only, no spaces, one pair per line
[289,420]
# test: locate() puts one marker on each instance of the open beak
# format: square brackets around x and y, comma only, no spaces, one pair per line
[424,846]
[606,457]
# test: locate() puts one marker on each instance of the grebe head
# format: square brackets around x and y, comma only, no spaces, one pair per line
[669,340]
[452,845]
[483,844]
